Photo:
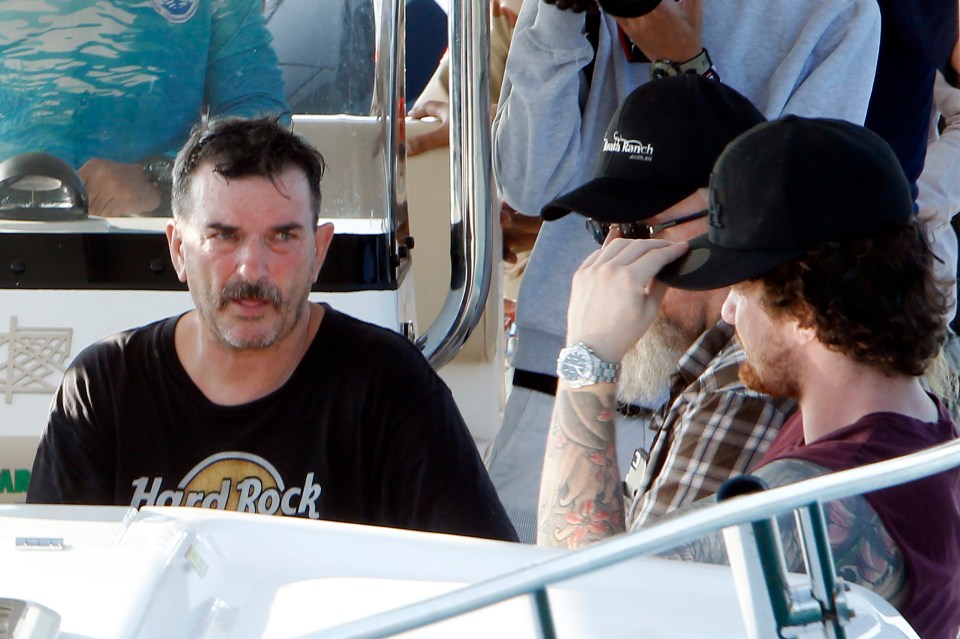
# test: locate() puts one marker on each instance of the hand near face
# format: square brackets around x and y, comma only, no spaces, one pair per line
[116,189]
[615,297]
[669,32]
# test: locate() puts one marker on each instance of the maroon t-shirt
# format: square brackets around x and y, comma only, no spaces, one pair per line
[922,517]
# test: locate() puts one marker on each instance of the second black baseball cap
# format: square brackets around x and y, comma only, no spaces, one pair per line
[659,148]
[784,188]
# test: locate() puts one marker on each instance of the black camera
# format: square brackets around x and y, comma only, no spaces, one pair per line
[628,8]
[620,8]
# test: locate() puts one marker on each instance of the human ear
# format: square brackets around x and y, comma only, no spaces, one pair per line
[175,244]
[323,237]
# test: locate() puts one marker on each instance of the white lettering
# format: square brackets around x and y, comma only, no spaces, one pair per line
[218,500]
[249,489]
[170,498]
[637,149]
[285,506]
[256,493]
[269,502]
[142,496]
[311,493]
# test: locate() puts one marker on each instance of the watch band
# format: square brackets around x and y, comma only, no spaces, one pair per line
[578,367]
[701,64]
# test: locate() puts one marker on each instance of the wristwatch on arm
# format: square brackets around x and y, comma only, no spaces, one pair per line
[701,64]
[578,367]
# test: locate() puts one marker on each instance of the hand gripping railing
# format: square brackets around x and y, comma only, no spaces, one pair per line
[663,536]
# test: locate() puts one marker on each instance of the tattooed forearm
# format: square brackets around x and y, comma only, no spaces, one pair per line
[581,498]
[709,549]
[863,551]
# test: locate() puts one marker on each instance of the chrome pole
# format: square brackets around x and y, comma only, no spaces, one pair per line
[473,206]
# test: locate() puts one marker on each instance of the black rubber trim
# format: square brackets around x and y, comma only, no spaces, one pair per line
[141,261]
[546,384]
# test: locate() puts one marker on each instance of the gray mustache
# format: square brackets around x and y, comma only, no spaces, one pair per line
[251,291]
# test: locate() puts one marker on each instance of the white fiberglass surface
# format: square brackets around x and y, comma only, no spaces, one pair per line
[285,579]
[177,572]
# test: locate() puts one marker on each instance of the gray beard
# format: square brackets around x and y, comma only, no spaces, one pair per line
[649,366]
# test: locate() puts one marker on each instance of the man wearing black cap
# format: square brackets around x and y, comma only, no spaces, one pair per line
[835,303]
[657,155]
[567,74]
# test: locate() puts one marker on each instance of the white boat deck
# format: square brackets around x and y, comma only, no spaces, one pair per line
[179,572]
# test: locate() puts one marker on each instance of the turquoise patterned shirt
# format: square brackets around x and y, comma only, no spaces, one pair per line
[126,79]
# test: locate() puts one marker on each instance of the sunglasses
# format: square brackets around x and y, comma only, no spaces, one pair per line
[637,230]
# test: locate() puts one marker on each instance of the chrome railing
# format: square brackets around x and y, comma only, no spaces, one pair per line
[663,536]
[471,183]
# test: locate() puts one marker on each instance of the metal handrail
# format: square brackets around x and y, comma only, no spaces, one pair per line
[659,537]
[471,183]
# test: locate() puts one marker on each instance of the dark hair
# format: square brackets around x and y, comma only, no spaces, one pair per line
[245,147]
[875,300]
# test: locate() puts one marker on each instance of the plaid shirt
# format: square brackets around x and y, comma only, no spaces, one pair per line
[713,428]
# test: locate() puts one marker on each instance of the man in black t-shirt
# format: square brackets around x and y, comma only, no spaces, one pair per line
[258,400]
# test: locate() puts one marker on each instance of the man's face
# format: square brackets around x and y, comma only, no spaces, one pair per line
[650,364]
[249,252]
[771,365]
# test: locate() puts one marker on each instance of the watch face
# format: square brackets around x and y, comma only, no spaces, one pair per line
[576,364]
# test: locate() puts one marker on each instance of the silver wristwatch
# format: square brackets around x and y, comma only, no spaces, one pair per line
[578,366]
[699,64]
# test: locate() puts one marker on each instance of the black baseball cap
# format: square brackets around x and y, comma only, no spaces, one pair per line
[659,148]
[784,188]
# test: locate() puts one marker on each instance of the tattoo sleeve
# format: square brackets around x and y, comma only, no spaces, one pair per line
[581,499]
[863,551]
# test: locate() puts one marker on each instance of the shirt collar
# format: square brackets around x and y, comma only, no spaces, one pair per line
[703,351]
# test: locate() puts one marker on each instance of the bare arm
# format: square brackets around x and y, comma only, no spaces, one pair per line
[540,107]
[580,496]
[117,189]
[863,551]
[614,300]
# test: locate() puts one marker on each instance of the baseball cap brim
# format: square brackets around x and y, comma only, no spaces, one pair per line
[706,266]
[615,200]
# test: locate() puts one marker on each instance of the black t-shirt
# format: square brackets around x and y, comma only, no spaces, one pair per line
[364,431]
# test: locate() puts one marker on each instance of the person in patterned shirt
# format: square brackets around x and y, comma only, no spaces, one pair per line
[657,156]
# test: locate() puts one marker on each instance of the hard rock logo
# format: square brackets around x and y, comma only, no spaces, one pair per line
[232,481]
